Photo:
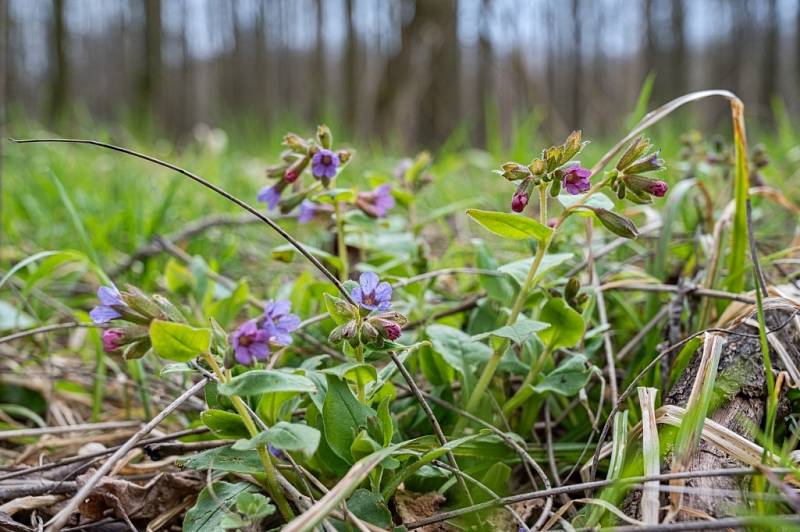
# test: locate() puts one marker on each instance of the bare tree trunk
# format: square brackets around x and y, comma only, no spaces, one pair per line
[59,84]
[679,50]
[318,64]
[577,66]
[5,31]
[351,85]
[151,73]
[483,75]
[769,62]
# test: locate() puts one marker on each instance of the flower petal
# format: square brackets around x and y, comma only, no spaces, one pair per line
[108,295]
[103,314]
[368,282]
[383,292]
[243,355]
[357,295]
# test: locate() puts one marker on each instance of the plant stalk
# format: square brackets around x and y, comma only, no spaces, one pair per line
[273,487]
[344,273]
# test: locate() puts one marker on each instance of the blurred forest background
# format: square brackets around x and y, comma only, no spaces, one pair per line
[413,70]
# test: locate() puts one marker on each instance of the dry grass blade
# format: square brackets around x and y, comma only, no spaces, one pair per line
[696,408]
[650,453]
[58,520]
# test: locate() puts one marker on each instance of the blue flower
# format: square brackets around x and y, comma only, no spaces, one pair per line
[372,294]
[109,298]
[307,210]
[270,195]
[279,322]
[250,343]
[324,163]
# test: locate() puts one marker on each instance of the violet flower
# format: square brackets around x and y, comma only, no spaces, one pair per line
[376,202]
[307,211]
[270,195]
[576,179]
[109,298]
[250,343]
[324,163]
[372,294]
[279,322]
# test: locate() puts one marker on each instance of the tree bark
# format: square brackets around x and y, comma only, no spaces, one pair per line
[741,393]
[59,85]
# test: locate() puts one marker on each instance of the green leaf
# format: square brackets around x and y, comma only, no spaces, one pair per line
[508,225]
[343,417]
[497,287]
[370,507]
[567,379]
[266,381]
[566,325]
[616,223]
[597,200]
[224,459]
[385,419]
[459,350]
[226,425]
[177,341]
[353,371]
[518,270]
[177,277]
[519,333]
[254,505]
[213,504]
[340,310]
[335,194]
[284,436]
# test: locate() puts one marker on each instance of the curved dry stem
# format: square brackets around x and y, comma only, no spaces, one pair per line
[225,194]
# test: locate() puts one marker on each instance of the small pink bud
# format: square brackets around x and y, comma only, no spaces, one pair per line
[112,339]
[392,330]
[519,201]
[291,175]
[658,188]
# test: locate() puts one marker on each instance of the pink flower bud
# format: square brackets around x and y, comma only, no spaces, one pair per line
[112,340]
[291,175]
[392,330]
[519,201]
[658,188]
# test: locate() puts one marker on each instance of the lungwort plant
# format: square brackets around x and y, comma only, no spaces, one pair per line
[415,381]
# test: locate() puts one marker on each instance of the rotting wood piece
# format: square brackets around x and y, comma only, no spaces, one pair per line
[740,399]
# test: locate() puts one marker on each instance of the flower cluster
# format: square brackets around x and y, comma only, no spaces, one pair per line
[628,179]
[132,311]
[555,167]
[375,322]
[299,155]
[252,340]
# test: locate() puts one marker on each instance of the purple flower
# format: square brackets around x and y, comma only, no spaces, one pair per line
[324,163]
[270,195]
[250,343]
[109,298]
[377,202]
[112,340]
[307,211]
[279,321]
[371,294]
[576,179]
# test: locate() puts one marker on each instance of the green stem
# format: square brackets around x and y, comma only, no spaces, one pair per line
[270,473]
[497,354]
[362,396]
[344,274]
[523,392]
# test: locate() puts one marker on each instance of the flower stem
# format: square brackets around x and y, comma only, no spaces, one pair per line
[523,392]
[272,486]
[344,274]
[497,354]
[362,396]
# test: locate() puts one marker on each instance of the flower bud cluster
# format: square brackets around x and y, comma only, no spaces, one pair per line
[554,169]
[628,179]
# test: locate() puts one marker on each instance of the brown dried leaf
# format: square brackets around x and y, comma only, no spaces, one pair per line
[136,501]
[415,506]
